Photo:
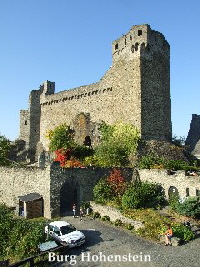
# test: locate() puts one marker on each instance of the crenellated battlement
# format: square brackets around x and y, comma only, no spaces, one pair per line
[139,41]
[47,88]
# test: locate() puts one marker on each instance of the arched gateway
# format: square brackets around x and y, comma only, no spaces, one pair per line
[69,195]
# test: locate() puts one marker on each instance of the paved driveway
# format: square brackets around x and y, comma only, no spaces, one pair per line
[110,246]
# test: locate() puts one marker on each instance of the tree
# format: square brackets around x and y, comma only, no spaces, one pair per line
[102,191]
[143,195]
[117,143]
[117,183]
[61,137]
[5,147]
[110,188]
[67,151]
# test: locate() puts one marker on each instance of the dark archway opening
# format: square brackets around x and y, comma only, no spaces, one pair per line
[69,195]
[87,141]
[173,193]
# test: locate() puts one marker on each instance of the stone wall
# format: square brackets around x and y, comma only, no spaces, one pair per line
[115,214]
[57,185]
[51,182]
[81,179]
[178,180]
[17,182]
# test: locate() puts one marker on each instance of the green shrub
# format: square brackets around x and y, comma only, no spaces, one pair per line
[96,215]
[153,161]
[173,201]
[116,144]
[105,218]
[152,220]
[176,165]
[6,224]
[190,207]
[118,222]
[81,152]
[129,226]
[182,232]
[143,194]
[61,137]
[102,192]
[5,148]
[19,238]
[149,161]
[25,237]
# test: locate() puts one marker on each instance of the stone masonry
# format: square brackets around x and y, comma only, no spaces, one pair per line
[135,89]
[185,185]
[115,214]
[56,185]
[61,187]
[193,138]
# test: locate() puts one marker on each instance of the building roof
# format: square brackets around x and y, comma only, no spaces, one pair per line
[30,197]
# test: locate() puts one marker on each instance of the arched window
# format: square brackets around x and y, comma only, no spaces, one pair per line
[132,48]
[173,193]
[136,46]
[87,141]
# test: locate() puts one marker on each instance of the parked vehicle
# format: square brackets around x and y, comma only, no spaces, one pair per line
[65,234]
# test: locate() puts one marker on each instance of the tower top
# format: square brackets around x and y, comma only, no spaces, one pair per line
[140,40]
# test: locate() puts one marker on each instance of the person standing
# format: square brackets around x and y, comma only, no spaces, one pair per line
[81,214]
[168,235]
[74,210]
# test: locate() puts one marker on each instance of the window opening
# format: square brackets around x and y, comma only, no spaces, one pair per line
[187,192]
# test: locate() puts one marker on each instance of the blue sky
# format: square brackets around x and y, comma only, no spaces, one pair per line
[69,42]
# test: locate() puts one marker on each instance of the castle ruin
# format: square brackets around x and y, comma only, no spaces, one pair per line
[193,139]
[135,89]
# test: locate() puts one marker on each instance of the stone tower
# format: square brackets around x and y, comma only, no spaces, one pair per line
[136,89]
[193,139]
[142,59]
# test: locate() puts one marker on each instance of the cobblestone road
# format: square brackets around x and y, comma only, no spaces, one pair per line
[104,240]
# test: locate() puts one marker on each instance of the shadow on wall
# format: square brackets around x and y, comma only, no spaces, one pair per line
[69,195]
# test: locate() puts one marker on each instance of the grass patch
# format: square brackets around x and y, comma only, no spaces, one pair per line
[155,224]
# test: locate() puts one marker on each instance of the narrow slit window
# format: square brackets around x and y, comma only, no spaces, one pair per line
[116,46]
[25,123]
[197,192]
[187,192]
